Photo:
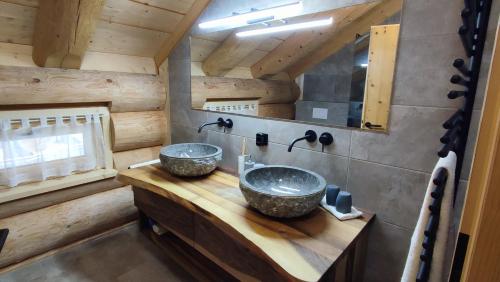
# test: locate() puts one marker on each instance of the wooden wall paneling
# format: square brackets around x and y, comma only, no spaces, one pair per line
[21,56]
[117,63]
[137,92]
[380,75]
[126,40]
[16,55]
[343,36]
[267,91]
[252,58]
[236,72]
[122,160]
[481,214]
[180,30]
[126,92]
[63,30]
[270,43]
[229,54]
[136,14]
[201,48]
[304,42]
[27,3]
[39,231]
[217,36]
[16,23]
[179,6]
[284,111]
[56,197]
[53,86]
[135,130]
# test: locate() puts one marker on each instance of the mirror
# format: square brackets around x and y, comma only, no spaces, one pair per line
[327,62]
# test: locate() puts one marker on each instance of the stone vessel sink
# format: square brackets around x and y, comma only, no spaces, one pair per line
[282,191]
[190,159]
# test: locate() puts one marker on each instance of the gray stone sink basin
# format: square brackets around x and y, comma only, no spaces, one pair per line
[282,191]
[190,159]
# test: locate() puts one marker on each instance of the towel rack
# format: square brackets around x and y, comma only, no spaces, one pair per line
[3,237]
[472,33]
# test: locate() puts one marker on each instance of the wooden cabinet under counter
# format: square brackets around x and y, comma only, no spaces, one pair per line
[210,215]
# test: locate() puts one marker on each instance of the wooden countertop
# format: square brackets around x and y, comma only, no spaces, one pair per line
[304,248]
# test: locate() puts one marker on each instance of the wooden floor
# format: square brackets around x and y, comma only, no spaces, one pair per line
[123,255]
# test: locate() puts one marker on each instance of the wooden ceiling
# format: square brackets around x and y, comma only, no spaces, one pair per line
[140,28]
[60,33]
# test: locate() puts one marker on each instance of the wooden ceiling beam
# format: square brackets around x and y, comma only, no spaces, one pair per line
[344,36]
[63,29]
[180,30]
[229,54]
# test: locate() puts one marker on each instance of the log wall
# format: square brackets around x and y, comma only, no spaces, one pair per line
[139,107]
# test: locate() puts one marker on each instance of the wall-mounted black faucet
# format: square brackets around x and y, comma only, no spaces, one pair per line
[310,136]
[228,123]
[325,139]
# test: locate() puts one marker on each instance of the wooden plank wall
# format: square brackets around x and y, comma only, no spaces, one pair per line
[267,91]
[138,102]
[42,230]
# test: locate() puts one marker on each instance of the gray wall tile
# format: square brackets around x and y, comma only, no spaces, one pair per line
[282,132]
[333,168]
[412,142]
[394,194]
[430,17]
[386,253]
[186,134]
[424,68]
[231,149]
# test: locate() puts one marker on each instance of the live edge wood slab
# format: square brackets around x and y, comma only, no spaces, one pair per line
[211,215]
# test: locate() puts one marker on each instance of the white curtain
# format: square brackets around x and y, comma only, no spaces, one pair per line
[34,153]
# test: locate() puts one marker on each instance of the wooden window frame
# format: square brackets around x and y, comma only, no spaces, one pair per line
[30,189]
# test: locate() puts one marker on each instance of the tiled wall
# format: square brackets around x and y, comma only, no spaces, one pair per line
[386,173]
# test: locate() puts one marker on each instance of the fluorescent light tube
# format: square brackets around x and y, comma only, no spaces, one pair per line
[275,13]
[287,27]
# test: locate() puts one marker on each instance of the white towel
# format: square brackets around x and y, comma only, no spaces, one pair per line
[355,213]
[438,258]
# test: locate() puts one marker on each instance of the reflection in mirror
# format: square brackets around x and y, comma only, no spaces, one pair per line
[329,62]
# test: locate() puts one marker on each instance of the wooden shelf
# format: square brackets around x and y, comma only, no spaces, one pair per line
[211,215]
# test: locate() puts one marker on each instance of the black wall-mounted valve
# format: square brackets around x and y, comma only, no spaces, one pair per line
[261,139]
[325,139]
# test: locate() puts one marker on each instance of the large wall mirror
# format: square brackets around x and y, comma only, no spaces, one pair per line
[329,62]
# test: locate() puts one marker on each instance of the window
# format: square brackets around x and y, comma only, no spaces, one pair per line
[37,145]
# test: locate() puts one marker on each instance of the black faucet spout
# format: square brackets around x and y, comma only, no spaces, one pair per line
[310,136]
[295,141]
[205,124]
[228,123]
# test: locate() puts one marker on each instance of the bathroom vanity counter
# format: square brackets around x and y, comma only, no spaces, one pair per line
[210,215]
